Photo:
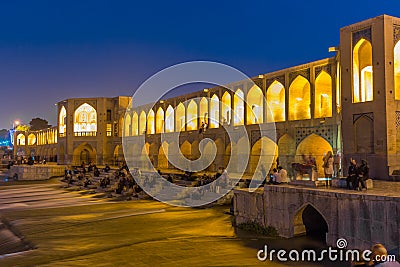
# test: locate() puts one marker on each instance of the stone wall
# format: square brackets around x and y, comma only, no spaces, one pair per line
[362,219]
[36,172]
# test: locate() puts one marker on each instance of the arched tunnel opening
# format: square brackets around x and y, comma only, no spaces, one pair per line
[309,221]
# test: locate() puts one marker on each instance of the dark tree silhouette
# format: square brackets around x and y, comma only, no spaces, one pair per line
[38,124]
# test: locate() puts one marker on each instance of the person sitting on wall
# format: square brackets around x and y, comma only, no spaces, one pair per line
[283,175]
[276,179]
[352,175]
[363,175]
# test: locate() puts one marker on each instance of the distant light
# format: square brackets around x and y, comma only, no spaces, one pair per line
[162,101]
[299,98]
[333,49]
[16,122]
[260,76]
[205,90]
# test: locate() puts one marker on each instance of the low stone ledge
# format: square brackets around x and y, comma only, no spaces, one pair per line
[35,172]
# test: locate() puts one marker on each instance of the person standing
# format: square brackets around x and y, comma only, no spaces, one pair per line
[352,175]
[328,167]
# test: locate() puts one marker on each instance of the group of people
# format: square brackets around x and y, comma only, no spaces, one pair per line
[357,175]
[278,176]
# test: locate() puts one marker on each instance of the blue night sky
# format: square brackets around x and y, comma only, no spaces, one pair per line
[53,50]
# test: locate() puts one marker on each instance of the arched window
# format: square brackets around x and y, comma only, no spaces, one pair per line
[160,120]
[169,120]
[192,116]
[135,124]
[362,72]
[62,121]
[238,104]
[299,99]
[85,120]
[31,139]
[21,139]
[254,105]
[180,118]
[127,125]
[276,102]
[397,70]
[204,110]
[226,108]
[142,123]
[323,96]
[150,122]
[214,112]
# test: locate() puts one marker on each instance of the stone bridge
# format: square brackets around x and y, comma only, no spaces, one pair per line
[363,219]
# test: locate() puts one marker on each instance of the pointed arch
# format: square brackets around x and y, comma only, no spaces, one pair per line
[150,122]
[264,152]
[142,122]
[214,112]
[160,120]
[20,139]
[31,139]
[323,95]
[397,70]
[169,120]
[85,120]
[238,105]
[127,125]
[203,110]
[276,102]
[255,105]
[226,108]
[163,156]
[180,117]
[62,121]
[192,116]
[362,72]
[135,124]
[299,99]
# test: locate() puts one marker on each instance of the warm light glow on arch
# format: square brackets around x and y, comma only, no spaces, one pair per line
[150,122]
[276,102]
[180,118]
[255,105]
[169,119]
[135,124]
[238,105]
[226,108]
[204,110]
[214,112]
[323,96]
[142,123]
[85,119]
[62,121]
[31,139]
[160,120]
[127,125]
[362,72]
[397,70]
[299,99]
[21,139]
[192,116]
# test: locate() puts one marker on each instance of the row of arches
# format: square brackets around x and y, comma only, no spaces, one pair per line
[265,151]
[48,136]
[237,108]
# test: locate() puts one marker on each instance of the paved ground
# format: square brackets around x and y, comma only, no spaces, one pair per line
[74,229]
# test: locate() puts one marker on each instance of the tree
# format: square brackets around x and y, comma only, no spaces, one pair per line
[39,124]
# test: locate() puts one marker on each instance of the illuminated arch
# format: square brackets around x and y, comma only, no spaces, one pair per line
[142,123]
[160,120]
[226,108]
[31,139]
[135,124]
[169,120]
[397,70]
[85,120]
[204,110]
[192,116]
[362,72]
[323,96]
[127,125]
[299,99]
[180,118]
[263,153]
[163,156]
[150,122]
[255,105]
[316,147]
[62,122]
[214,112]
[238,105]
[276,102]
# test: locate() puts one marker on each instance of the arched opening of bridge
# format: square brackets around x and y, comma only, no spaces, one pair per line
[83,153]
[150,122]
[309,221]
